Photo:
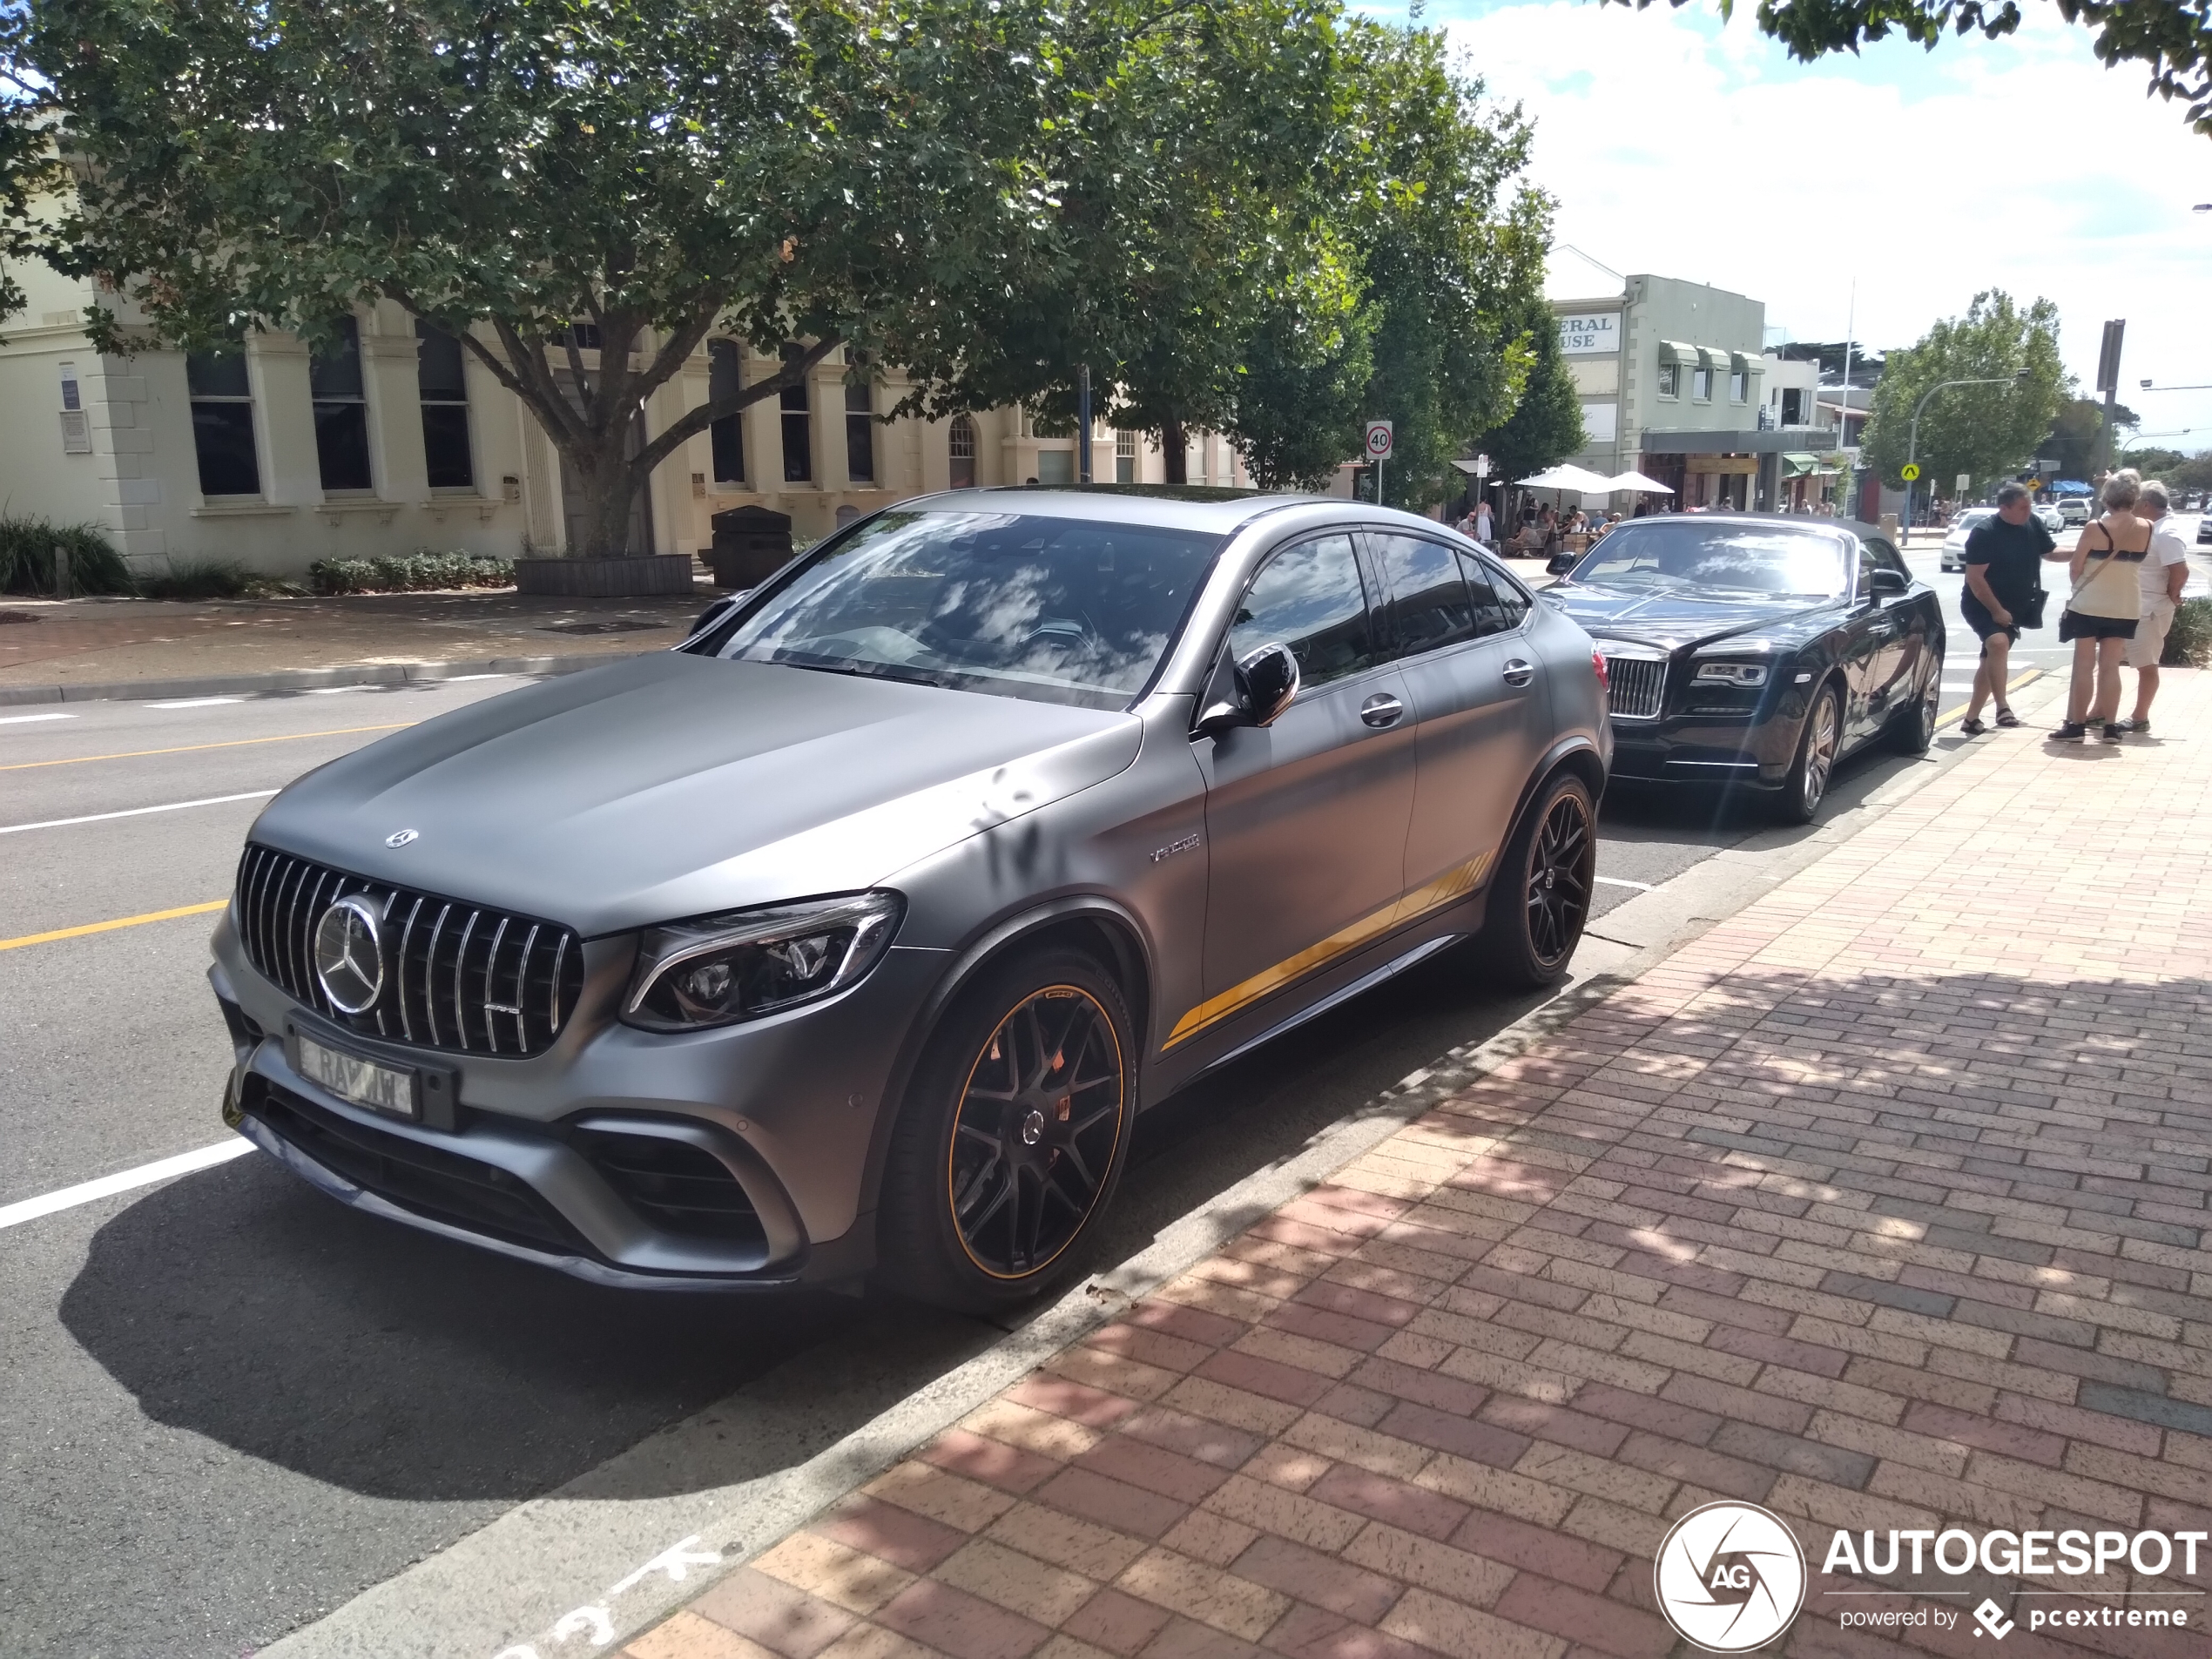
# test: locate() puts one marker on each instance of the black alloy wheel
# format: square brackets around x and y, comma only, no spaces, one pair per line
[1036,1131]
[1819,744]
[1541,898]
[1013,1135]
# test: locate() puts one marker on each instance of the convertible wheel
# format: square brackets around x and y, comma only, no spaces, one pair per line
[1823,739]
[1013,1135]
[1541,896]
[1913,730]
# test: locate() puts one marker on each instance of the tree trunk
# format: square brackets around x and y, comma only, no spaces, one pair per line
[606,487]
[1175,449]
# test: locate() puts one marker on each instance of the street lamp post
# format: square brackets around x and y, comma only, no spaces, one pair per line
[1912,446]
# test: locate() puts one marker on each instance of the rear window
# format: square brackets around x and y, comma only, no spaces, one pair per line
[1016,604]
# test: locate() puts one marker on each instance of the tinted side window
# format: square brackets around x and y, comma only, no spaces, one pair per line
[1867,563]
[1428,604]
[1309,597]
[1888,558]
[1499,602]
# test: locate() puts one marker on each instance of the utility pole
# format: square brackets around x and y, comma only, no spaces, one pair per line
[1843,414]
[2108,382]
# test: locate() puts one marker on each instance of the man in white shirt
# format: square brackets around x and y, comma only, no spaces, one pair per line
[2163,574]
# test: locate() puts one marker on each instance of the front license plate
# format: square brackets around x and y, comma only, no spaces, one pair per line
[383,1089]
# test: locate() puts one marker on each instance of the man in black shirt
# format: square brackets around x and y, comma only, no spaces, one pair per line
[2004,556]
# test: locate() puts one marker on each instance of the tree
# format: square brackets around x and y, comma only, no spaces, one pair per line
[2172,38]
[2193,474]
[2077,434]
[1982,431]
[1547,425]
[29,171]
[2153,462]
[910,177]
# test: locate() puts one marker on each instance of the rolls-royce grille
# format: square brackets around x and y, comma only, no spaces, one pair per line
[455,975]
[1634,687]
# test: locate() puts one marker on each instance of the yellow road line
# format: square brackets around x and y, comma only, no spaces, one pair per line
[2025,676]
[188,748]
[110,926]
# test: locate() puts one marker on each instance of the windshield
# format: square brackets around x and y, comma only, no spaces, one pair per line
[1055,610]
[1682,556]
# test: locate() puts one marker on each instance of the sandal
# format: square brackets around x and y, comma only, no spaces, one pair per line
[2006,718]
[1972,728]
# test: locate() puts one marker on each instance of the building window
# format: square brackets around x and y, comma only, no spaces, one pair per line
[1125,457]
[1056,466]
[959,444]
[442,385]
[584,336]
[725,378]
[222,422]
[799,448]
[341,410]
[1793,406]
[1739,385]
[1670,380]
[1701,384]
[859,432]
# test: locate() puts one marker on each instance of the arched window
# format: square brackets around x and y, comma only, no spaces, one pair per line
[960,440]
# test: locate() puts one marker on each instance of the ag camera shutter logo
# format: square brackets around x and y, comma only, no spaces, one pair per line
[1729,1577]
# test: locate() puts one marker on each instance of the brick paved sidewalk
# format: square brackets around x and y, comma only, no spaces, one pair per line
[1882,1204]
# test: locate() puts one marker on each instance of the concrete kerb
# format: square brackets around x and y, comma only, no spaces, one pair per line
[304,679]
[594,1544]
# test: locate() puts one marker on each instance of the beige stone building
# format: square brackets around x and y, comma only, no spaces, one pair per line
[389,443]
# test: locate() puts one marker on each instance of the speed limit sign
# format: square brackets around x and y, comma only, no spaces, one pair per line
[1379,440]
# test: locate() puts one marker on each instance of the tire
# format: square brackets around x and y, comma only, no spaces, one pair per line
[1912,729]
[1540,897]
[1009,1145]
[1819,747]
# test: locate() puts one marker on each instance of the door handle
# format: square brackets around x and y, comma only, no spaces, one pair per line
[1381,709]
[1518,672]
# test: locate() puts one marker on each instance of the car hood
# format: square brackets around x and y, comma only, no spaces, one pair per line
[671,786]
[1672,621]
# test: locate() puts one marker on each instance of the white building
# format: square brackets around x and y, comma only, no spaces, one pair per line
[391,443]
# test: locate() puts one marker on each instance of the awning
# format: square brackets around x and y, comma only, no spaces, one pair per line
[1679,351]
[1796,463]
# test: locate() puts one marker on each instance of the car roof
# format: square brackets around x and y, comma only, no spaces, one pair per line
[1192,506]
[1788,521]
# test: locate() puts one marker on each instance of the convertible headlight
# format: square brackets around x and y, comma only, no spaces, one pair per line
[743,964]
[1729,674]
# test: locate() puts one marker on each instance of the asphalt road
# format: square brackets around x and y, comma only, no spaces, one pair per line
[230,1404]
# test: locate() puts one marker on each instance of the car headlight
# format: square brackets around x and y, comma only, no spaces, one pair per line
[719,970]
[1729,674]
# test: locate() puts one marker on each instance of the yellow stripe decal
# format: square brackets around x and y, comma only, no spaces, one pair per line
[1454,885]
[191,748]
[110,926]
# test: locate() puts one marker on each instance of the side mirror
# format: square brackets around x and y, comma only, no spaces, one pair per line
[1252,691]
[1884,584]
[1561,563]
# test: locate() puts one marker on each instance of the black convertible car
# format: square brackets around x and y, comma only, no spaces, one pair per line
[1757,650]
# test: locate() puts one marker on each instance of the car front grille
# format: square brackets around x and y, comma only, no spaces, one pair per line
[456,977]
[430,1181]
[1634,687]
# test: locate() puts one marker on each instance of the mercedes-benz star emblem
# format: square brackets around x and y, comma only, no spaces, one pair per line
[350,954]
[400,838]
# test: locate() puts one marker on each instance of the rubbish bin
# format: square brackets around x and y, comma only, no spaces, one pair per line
[750,544]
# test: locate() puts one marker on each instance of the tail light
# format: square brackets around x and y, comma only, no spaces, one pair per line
[1597,662]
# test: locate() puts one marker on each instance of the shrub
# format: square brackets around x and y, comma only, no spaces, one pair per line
[202,579]
[27,557]
[417,571]
[2188,642]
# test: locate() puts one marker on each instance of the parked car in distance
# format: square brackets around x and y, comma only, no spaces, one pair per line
[1755,651]
[2050,519]
[2204,528]
[851,935]
[2074,509]
[1954,541]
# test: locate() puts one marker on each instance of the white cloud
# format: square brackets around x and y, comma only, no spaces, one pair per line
[1677,145]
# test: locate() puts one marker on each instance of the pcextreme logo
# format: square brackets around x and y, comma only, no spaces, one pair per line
[1729,1577]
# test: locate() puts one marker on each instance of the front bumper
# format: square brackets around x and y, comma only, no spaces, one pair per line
[731,1159]
[1689,748]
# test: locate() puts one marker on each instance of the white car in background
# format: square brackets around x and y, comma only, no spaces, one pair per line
[1954,544]
[2074,509]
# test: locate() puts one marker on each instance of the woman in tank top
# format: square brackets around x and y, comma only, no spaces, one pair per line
[2101,612]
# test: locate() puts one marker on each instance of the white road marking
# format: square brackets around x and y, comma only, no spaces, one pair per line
[107,1186]
[135,812]
[1615,881]
[455,679]
[196,703]
[332,690]
[25,720]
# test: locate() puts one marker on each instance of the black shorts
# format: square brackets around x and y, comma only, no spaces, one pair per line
[1982,622]
[2074,625]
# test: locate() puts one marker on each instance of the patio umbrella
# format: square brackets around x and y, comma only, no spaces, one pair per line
[1569,476]
[1637,482]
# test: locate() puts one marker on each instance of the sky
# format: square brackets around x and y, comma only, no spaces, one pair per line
[1678,144]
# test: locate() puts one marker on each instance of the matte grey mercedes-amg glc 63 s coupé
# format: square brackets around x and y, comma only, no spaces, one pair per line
[851,935]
